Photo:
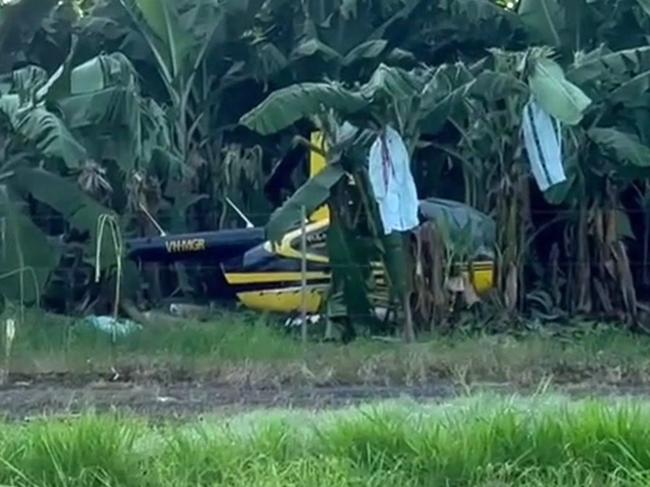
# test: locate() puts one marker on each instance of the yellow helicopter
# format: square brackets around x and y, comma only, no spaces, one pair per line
[266,276]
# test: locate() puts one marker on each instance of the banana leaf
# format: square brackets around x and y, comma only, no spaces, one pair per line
[314,47]
[544,19]
[180,31]
[452,86]
[602,64]
[626,148]
[27,81]
[80,210]
[269,61]
[390,84]
[168,31]
[633,93]
[107,108]
[557,96]
[23,246]
[645,5]
[19,21]
[286,106]
[366,50]
[387,86]
[102,72]
[43,130]
[108,122]
[107,113]
[311,196]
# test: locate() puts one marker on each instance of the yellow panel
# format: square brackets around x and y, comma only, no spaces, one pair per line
[483,280]
[282,300]
[286,250]
[482,275]
[317,161]
[289,300]
[316,164]
[267,277]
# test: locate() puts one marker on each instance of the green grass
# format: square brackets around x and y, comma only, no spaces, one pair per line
[482,440]
[239,348]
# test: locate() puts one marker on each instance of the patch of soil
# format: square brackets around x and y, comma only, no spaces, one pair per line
[29,399]
[25,401]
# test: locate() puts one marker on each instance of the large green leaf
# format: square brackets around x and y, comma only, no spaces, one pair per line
[180,31]
[544,18]
[619,77]
[493,86]
[645,5]
[165,25]
[557,96]
[108,121]
[80,210]
[26,82]
[394,96]
[442,94]
[367,50]
[22,245]
[19,21]
[268,61]
[314,47]
[438,94]
[157,147]
[600,64]
[102,72]
[312,195]
[633,93]
[43,130]
[390,84]
[626,148]
[34,86]
[286,106]
[453,86]
[107,108]
[107,112]
[401,12]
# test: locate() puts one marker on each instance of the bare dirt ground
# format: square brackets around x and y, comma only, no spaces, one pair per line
[26,398]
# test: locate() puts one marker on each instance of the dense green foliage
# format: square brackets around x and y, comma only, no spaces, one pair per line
[176,105]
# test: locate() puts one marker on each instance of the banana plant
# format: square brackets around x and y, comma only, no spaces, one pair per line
[601,99]
[484,107]
[190,41]
[179,34]
[19,23]
[410,100]
[54,127]
[613,158]
[603,46]
[583,25]
[28,254]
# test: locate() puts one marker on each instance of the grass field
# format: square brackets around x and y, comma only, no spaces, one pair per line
[481,440]
[236,349]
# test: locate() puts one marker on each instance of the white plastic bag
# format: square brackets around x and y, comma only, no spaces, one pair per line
[543,140]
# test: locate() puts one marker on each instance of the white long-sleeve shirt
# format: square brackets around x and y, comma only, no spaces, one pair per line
[392,182]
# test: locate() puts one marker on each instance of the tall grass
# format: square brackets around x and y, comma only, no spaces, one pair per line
[478,441]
